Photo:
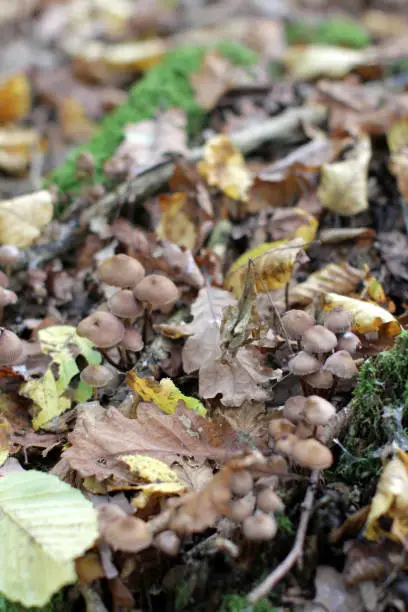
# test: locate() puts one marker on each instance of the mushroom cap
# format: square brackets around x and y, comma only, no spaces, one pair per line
[303,363]
[121,271]
[96,376]
[318,410]
[259,527]
[240,509]
[312,454]
[349,342]
[318,339]
[294,408]
[168,542]
[9,254]
[11,347]
[102,328]
[241,482]
[341,364]
[123,304]
[132,340]
[279,428]
[296,322]
[338,320]
[268,501]
[158,291]
[304,430]
[320,380]
[285,445]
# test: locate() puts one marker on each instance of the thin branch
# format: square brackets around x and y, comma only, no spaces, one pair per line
[297,550]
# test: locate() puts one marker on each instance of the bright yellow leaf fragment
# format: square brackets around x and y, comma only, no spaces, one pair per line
[397,139]
[368,317]
[164,394]
[175,224]
[391,501]
[22,218]
[15,98]
[343,186]
[5,432]
[223,166]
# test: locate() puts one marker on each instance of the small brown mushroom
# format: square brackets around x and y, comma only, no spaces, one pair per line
[294,408]
[123,304]
[268,501]
[280,428]
[168,542]
[318,410]
[102,328]
[312,454]
[121,271]
[319,340]
[11,347]
[285,445]
[349,342]
[132,340]
[296,322]
[341,364]
[319,380]
[9,255]
[158,291]
[241,482]
[259,527]
[338,320]
[303,364]
[240,509]
[84,164]
[96,376]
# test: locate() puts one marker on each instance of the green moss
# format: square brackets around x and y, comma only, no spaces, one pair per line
[164,86]
[338,31]
[238,603]
[57,604]
[380,410]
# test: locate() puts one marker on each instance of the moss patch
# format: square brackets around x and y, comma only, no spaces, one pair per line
[380,415]
[338,31]
[57,604]
[238,603]
[165,86]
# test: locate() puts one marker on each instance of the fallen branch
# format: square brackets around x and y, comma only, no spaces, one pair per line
[280,572]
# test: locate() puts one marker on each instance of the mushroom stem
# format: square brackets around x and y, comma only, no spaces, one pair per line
[95,394]
[124,356]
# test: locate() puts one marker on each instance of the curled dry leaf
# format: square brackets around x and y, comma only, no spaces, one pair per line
[343,187]
[223,166]
[311,61]
[368,317]
[343,278]
[22,218]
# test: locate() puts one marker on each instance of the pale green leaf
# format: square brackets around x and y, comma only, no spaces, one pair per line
[44,525]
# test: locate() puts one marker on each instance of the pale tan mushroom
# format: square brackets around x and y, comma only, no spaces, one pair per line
[312,454]
[318,411]
[259,527]
[318,340]
[341,364]
[121,271]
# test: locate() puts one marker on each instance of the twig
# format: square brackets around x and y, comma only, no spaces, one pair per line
[337,425]
[280,572]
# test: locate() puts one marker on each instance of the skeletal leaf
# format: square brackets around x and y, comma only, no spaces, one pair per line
[22,218]
[343,187]
[45,524]
[311,61]
[343,278]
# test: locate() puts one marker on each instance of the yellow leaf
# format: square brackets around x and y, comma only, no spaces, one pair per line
[397,139]
[391,501]
[308,62]
[341,277]
[175,224]
[22,218]
[5,432]
[344,184]
[47,401]
[15,98]
[306,231]
[164,393]
[368,317]
[223,166]
[273,262]
[75,125]
[16,148]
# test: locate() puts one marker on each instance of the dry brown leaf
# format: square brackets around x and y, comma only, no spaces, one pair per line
[22,218]
[101,437]
[344,234]
[341,277]
[176,224]
[250,421]
[343,187]
[15,98]
[75,125]
[121,531]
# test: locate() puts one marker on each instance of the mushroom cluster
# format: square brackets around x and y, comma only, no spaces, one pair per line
[112,330]
[325,351]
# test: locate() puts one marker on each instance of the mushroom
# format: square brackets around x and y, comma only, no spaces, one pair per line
[121,271]
[158,291]
[102,328]
[294,408]
[285,445]
[259,527]
[268,501]
[341,365]
[320,380]
[96,376]
[241,482]
[305,430]
[318,340]
[296,322]
[312,454]
[84,164]
[338,320]
[349,342]
[318,410]
[132,340]
[11,347]
[124,305]
[303,364]
[168,542]
[240,509]
[9,255]
[280,428]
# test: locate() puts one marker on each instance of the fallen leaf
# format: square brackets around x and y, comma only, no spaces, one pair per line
[75,125]
[44,525]
[343,186]
[175,222]
[397,139]
[15,98]
[121,531]
[223,166]
[249,421]
[289,223]
[157,479]
[332,593]
[17,145]
[5,440]
[341,277]
[22,218]
[309,62]
[180,263]
[48,403]
[164,393]
[344,234]
[368,317]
